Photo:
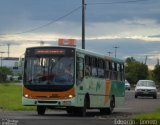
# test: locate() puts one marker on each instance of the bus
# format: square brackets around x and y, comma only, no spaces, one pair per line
[72,79]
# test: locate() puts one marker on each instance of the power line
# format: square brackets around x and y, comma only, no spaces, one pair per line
[69,13]
[45,25]
[115,2]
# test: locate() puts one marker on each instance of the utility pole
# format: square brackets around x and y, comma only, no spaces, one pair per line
[146,60]
[8,44]
[116,47]
[41,43]
[83,24]
[158,61]
[109,53]
[1,57]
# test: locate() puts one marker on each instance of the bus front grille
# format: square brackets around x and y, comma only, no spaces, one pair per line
[48,102]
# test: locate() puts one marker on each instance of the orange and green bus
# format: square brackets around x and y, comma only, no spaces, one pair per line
[72,79]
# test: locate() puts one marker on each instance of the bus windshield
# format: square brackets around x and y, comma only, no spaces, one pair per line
[50,70]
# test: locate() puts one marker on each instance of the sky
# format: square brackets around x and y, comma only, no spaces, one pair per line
[132,25]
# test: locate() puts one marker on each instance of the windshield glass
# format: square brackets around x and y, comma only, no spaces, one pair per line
[49,70]
[146,83]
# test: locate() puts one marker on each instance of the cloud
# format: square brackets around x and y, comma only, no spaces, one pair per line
[137,28]
[140,29]
[127,48]
[134,27]
[158,35]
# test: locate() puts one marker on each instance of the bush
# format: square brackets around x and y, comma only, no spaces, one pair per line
[3,77]
[4,71]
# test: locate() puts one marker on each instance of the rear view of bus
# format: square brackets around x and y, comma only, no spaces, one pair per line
[48,77]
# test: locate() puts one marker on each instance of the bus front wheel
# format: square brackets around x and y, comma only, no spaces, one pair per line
[41,110]
[70,110]
[82,110]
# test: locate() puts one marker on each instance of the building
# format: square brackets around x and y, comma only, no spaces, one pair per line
[13,64]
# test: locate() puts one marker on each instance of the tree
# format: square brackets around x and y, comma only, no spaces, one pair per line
[135,70]
[156,73]
[4,71]
[130,59]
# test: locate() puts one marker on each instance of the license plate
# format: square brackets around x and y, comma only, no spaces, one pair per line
[145,92]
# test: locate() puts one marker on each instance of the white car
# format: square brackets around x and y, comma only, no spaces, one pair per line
[146,88]
[127,85]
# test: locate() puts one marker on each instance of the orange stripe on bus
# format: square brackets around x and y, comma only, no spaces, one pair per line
[107,91]
[48,95]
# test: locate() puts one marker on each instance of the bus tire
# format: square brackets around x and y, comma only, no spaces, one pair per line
[41,110]
[112,105]
[70,110]
[109,110]
[135,96]
[103,111]
[155,96]
[82,110]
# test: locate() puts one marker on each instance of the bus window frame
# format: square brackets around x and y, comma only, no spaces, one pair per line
[70,52]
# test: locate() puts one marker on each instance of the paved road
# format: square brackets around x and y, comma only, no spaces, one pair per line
[131,107]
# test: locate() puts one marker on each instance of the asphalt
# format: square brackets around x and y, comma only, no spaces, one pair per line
[130,108]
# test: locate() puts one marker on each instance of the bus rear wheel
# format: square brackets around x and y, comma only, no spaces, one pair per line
[41,110]
[112,105]
[109,110]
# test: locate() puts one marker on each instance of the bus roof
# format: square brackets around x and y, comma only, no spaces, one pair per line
[100,55]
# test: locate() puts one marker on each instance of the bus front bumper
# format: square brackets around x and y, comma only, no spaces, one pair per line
[45,102]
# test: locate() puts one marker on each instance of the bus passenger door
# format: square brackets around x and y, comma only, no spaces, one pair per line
[79,70]
[79,80]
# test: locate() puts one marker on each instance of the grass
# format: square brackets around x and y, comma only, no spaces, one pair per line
[11,97]
[152,118]
[151,115]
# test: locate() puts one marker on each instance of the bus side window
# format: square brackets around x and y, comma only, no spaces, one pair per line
[115,72]
[79,69]
[119,71]
[100,68]
[110,70]
[94,67]
[122,72]
[87,66]
[107,72]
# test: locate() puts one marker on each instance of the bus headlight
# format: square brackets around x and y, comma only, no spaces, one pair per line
[70,96]
[26,95]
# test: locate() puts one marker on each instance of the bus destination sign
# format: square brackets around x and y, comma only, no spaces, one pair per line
[50,51]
